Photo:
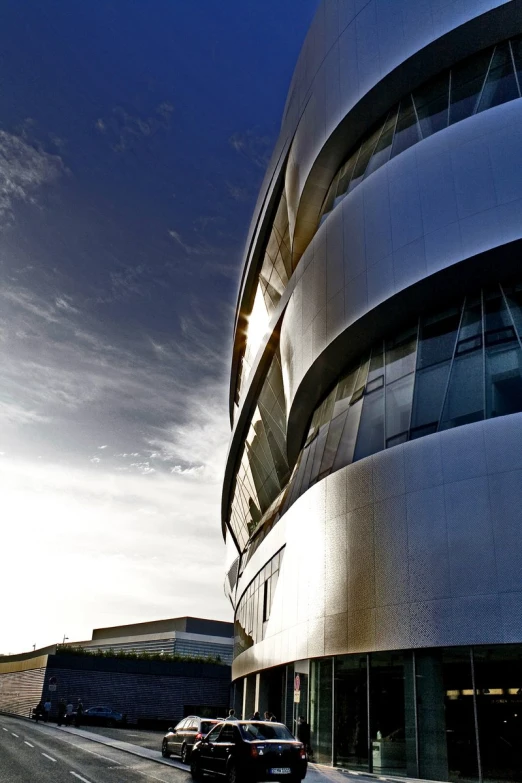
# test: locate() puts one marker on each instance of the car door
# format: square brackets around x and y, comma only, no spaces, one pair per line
[207,750]
[224,747]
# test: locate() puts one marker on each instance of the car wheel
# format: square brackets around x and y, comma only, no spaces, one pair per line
[194,769]
[165,750]
[185,754]
[110,723]
[232,774]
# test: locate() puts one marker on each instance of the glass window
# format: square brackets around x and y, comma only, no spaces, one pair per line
[345,176]
[503,359]
[467,80]
[332,443]
[321,687]
[370,438]
[437,337]
[497,677]
[465,397]
[214,734]
[388,713]
[501,85]
[351,712]
[228,734]
[460,723]
[516,48]
[432,105]
[430,390]
[399,395]
[319,451]
[400,356]
[407,130]
[367,149]
[254,732]
[346,448]
[382,151]
[344,392]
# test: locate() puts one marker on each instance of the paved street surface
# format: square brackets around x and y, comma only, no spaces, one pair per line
[144,738]
[31,753]
[41,753]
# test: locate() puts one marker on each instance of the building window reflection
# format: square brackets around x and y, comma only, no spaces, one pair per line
[255,605]
[451,368]
[263,470]
[484,80]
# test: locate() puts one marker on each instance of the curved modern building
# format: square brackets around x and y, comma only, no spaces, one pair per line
[372,502]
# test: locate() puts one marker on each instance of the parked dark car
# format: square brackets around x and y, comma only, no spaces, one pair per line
[249,752]
[181,739]
[102,716]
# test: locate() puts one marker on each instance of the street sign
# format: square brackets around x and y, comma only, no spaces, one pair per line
[53,682]
[297,697]
[297,683]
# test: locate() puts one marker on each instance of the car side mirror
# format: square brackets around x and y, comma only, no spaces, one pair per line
[170,728]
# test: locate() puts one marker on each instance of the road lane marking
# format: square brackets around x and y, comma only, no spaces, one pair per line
[28,743]
[15,735]
[79,777]
[4,728]
[48,757]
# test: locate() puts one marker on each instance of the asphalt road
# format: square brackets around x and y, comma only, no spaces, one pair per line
[143,737]
[31,753]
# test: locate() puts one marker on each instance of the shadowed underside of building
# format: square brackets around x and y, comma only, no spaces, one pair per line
[373,489]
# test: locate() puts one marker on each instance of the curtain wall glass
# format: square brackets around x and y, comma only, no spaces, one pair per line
[451,368]
[263,469]
[321,704]
[255,605]
[484,80]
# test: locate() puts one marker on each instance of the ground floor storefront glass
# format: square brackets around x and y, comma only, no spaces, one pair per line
[447,714]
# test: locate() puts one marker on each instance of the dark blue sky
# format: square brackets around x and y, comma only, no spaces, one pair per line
[133,140]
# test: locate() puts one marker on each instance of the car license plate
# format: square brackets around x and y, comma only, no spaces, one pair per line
[280,771]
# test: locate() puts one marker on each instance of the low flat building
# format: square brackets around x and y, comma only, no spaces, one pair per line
[191,636]
[147,689]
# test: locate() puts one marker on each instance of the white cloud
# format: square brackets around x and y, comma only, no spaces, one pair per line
[23,171]
[114,547]
[143,513]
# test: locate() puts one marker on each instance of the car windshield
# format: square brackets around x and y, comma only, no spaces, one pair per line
[265,731]
[206,725]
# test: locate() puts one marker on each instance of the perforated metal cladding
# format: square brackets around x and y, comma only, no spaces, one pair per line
[420,568]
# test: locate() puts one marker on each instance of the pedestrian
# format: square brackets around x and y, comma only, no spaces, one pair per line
[256,716]
[69,709]
[61,711]
[266,715]
[79,714]
[232,714]
[38,711]
[273,718]
[303,735]
[47,710]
